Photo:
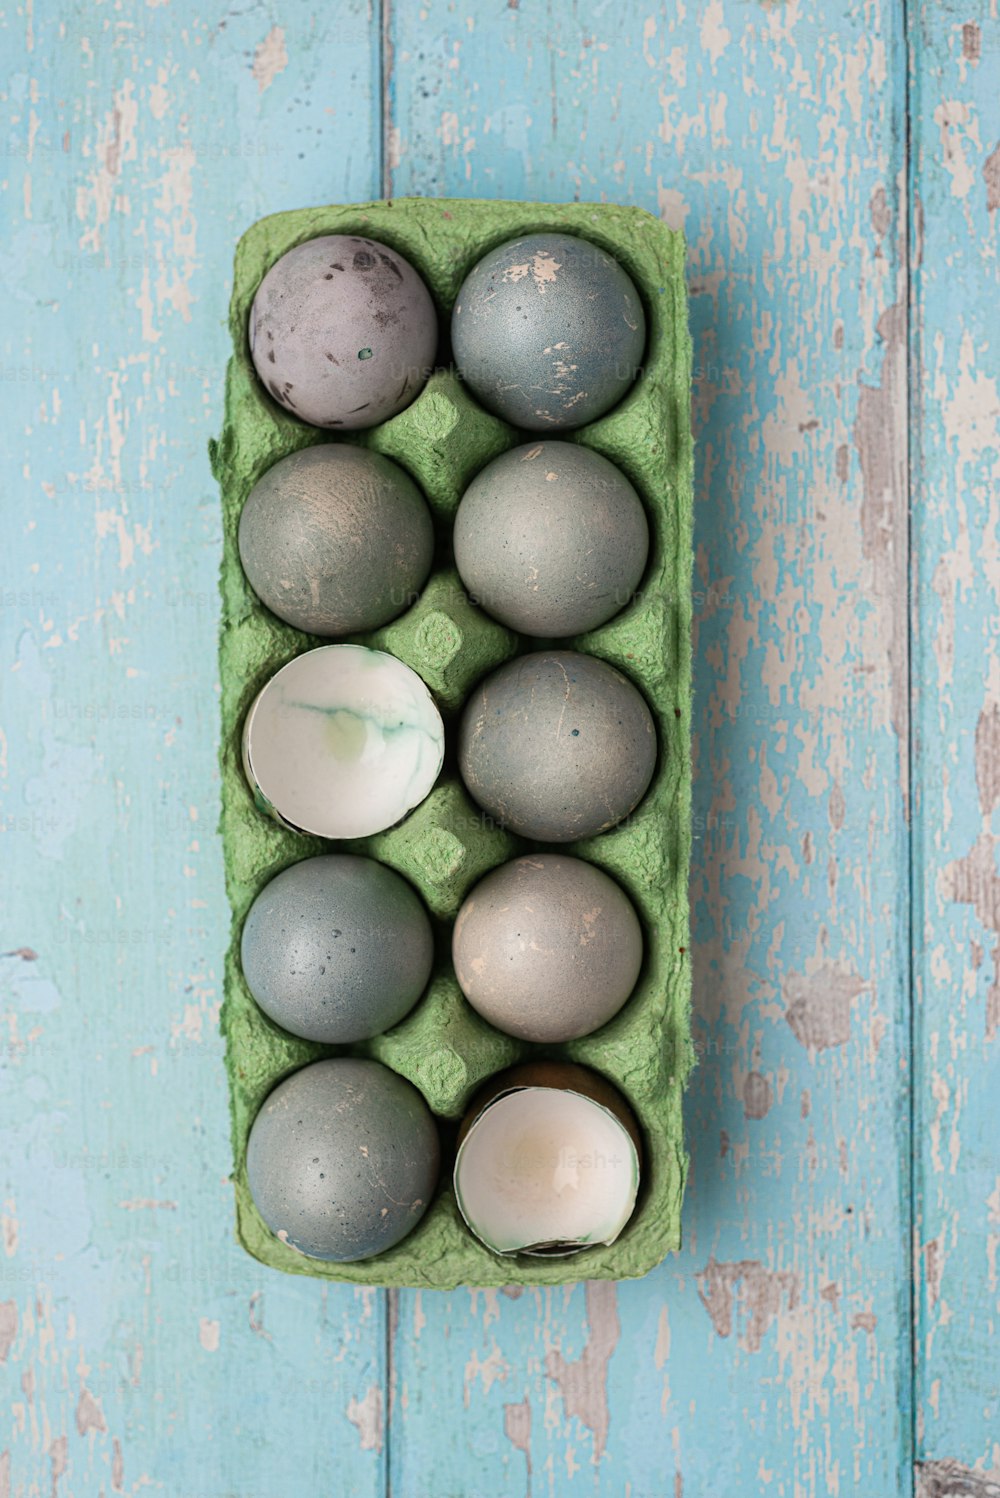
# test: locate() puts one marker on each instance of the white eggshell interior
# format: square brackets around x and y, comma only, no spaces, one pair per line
[343,742]
[544,1167]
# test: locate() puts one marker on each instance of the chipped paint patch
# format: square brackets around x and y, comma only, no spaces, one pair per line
[760,1293]
[958,130]
[208,1334]
[270,58]
[991,177]
[880,437]
[819,1005]
[89,1415]
[757,1096]
[116,145]
[543,268]
[367,1416]
[582,1382]
[517,1429]
[8,1327]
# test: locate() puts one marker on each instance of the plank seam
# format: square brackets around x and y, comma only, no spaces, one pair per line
[384,95]
[913,883]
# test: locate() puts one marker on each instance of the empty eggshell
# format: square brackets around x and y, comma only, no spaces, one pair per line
[547,947]
[337,948]
[342,742]
[336,539]
[343,332]
[548,1162]
[549,331]
[342,1159]
[557,745]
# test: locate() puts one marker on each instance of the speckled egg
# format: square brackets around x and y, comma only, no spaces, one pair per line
[337,948]
[336,539]
[549,331]
[343,332]
[551,539]
[557,745]
[343,1159]
[547,947]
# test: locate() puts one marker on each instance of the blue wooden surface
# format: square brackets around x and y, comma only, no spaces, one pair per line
[955,450]
[843,296]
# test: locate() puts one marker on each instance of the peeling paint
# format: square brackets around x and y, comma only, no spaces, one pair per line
[757,1096]
[517,1429]
[991,177]
[881,443]
[89,1415]
[367,1416]
[582,1382]
[270,58]
[819,1005]
[208,1334]
[758,1291]
[8,1327]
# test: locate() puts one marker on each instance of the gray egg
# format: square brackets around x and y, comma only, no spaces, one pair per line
[343,332]
[336,539]
[343,1159]
[549,331]
[551,539]
[557,745]
[547,947]
[337,948]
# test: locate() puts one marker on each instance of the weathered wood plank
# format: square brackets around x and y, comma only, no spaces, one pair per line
[955,56]
[772,1356]
[141,1350]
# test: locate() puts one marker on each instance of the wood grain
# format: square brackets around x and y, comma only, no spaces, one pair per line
[140,1350]
[777,1343]
[955,174]
[843,297]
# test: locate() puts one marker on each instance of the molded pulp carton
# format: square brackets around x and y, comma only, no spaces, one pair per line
[447,843]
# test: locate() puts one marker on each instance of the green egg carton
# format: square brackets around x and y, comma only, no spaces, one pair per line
[447,843]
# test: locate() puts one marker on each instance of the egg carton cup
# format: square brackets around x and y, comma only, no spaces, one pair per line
[447,843]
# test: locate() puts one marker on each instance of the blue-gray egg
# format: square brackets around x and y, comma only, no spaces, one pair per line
[343,332]
[556,745]
[551,539]
[343,1159]
[547,947]
[549,331]
[337,948]
[336,539]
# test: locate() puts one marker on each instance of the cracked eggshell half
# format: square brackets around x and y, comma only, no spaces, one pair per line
[549,1161]
[342,742]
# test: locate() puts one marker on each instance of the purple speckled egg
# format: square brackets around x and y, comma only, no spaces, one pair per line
[343,332]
